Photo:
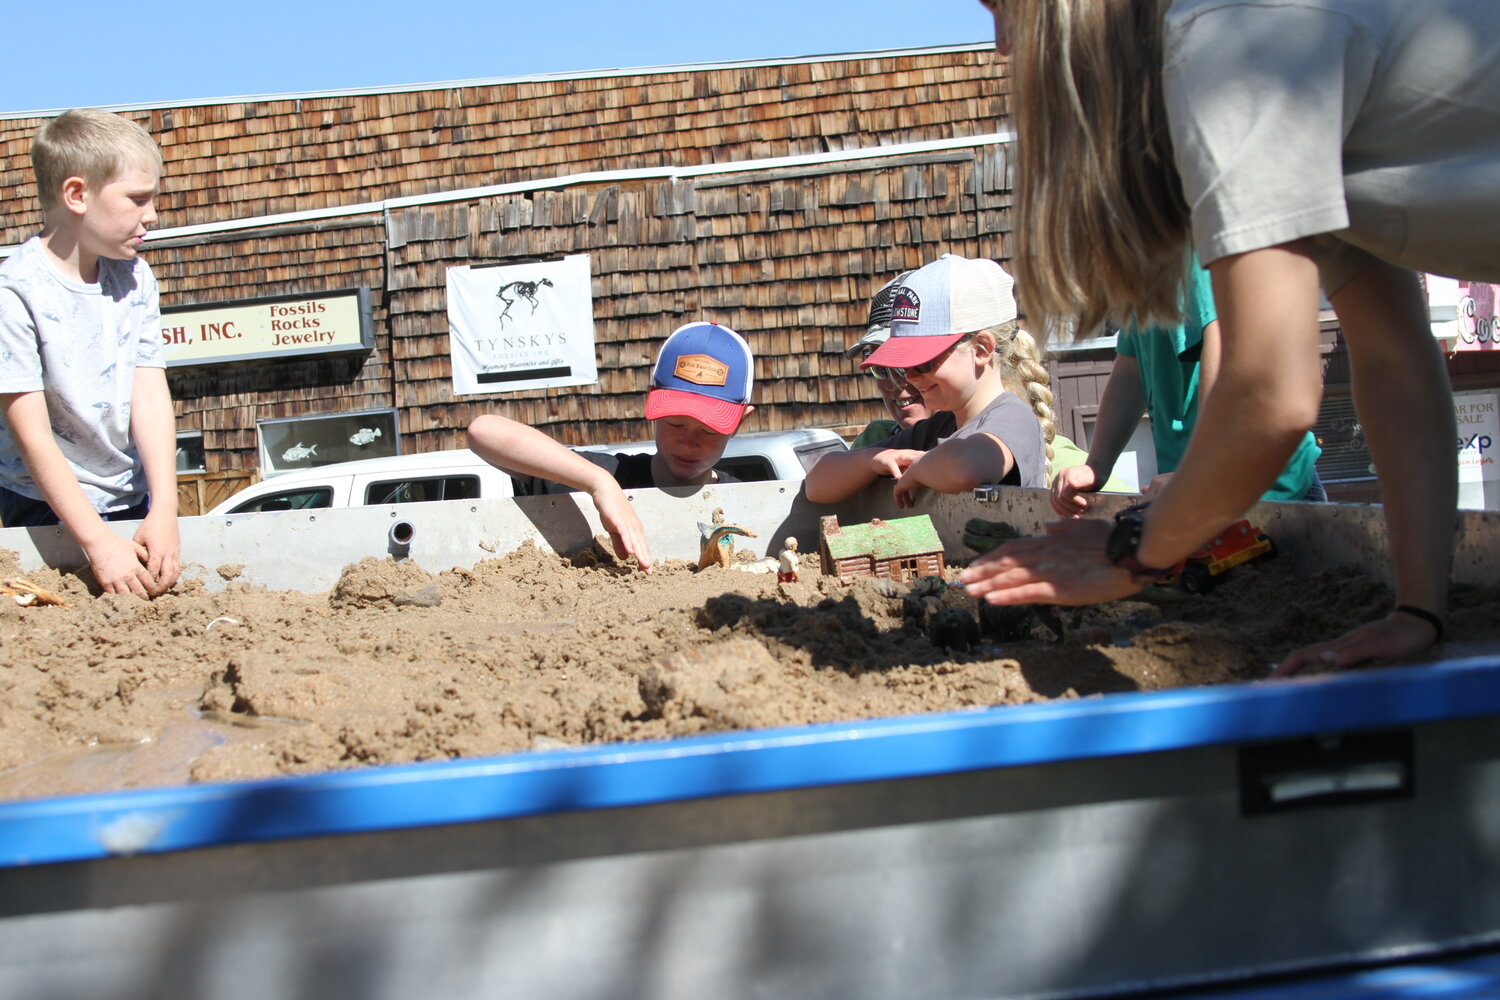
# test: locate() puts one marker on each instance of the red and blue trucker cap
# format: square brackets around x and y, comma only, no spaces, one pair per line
[703,371]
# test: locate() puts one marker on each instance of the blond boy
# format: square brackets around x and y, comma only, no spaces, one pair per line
[86,426]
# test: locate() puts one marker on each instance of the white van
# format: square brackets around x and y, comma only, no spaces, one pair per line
[463,475]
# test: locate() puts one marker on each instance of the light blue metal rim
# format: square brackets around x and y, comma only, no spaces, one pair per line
[1441,977]
[608,776]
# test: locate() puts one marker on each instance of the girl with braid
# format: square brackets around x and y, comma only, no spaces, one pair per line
[954,338]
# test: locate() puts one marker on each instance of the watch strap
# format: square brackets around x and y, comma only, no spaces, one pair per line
[1139,571]
[1123,542]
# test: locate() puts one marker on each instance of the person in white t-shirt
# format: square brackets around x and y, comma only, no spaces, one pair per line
[86,425]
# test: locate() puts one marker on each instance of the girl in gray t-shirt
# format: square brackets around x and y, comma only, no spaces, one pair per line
[954,338]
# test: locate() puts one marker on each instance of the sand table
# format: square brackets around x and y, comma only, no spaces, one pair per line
[535,651]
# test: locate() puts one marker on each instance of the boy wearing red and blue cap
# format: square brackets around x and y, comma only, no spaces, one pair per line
[700,392]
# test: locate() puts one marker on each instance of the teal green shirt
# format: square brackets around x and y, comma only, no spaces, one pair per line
[1168,359]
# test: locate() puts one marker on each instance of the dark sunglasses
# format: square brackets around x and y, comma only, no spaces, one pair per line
[895,376]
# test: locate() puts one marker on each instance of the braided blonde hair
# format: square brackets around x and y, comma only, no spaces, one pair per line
[1023,374]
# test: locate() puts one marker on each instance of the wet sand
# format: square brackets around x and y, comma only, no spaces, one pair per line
[534,650]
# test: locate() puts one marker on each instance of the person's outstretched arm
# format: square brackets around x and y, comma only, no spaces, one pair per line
[956,465]
[1266,397]
[1404,402]
[154,430]
[1120,410]
[516,448]
[119,564]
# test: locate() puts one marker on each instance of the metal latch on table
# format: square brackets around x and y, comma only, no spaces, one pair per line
[1326,770]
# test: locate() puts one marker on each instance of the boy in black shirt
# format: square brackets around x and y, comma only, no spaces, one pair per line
[700,392]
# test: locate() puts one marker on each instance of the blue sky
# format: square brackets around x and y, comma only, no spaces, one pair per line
[171,50]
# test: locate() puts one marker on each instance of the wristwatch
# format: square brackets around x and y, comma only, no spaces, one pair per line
[1124,539]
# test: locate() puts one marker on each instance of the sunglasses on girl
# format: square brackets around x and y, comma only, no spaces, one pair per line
[895,376]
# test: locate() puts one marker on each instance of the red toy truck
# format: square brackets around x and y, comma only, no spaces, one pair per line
[1238,543]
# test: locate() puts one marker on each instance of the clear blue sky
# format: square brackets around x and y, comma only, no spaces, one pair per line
[93,54]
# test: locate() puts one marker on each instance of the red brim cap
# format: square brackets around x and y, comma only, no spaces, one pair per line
[906,352]
[719,415]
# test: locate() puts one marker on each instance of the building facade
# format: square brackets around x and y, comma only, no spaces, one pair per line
[771,196]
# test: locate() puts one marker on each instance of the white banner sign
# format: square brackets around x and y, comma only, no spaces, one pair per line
[521,326]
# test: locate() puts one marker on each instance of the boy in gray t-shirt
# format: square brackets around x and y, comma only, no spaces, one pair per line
[86,425]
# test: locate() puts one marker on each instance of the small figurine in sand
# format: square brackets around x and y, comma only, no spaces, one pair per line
[27,593]
[787,571]
[718,541]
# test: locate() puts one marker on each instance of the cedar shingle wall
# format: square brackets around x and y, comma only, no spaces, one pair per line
[787,257]
[225,401]
[796,283]
[246,159]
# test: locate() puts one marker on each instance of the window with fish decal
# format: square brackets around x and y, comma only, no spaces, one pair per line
[308,442]
[190,452]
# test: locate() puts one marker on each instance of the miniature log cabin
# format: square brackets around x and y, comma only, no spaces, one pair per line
[903,549]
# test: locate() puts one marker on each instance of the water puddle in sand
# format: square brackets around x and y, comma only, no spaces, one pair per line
[165,760]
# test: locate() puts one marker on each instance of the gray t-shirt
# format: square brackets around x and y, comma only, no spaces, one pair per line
[80,345]
[1007,418]
[1373,125]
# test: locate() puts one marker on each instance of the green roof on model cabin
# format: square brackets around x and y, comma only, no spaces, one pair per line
[904,536]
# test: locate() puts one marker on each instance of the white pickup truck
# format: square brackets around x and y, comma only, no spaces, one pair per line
[463,475]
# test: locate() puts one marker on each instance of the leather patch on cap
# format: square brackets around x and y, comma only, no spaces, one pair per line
[700,369]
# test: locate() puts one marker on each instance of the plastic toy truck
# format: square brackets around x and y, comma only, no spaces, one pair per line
[1238,543]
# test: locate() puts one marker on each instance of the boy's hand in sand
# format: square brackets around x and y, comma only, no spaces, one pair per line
[625,529]
[119,565]
[160,537]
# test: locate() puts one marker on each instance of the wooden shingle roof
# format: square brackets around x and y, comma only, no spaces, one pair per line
[272,155]
[881,539]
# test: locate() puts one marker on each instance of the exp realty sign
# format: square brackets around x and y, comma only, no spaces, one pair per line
[288,326]
[1477,415]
